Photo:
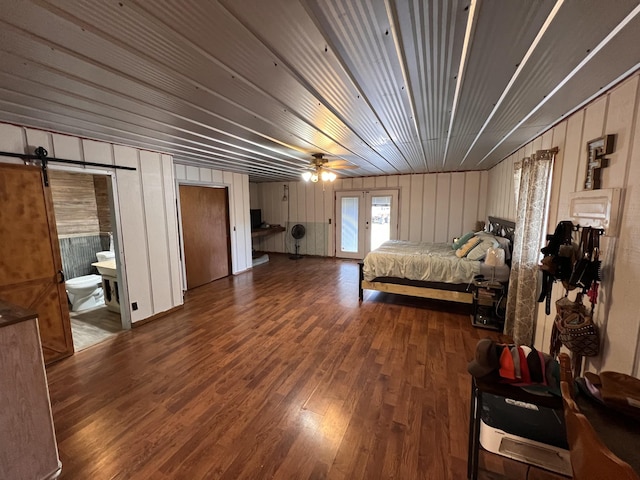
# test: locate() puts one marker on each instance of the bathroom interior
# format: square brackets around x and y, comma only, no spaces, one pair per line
[84,219]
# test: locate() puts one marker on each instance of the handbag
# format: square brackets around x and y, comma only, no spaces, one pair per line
[575,327]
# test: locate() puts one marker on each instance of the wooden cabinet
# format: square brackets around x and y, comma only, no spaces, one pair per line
[28,449]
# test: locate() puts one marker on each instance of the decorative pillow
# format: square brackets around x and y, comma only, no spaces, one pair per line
[466,248]
[504,243]
[479,251]
[462,240]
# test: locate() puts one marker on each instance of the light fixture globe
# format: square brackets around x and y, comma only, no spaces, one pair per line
[306,176]
[314,177]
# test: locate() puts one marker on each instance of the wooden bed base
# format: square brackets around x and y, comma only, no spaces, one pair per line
[414,291]
[497,226]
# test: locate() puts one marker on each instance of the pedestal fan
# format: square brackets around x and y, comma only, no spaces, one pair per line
[297,232]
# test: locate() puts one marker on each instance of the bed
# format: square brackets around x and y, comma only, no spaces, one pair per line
[431,270]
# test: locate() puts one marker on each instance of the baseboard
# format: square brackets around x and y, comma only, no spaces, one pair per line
[144,321]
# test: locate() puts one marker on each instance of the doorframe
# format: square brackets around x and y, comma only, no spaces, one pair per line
[363,191]
[121,268]
[232,224]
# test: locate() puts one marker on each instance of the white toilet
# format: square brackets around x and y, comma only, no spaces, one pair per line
[85,292]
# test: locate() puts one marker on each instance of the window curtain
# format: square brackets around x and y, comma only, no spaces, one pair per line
[531,178]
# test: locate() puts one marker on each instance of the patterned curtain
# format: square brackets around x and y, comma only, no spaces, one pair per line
[531,177]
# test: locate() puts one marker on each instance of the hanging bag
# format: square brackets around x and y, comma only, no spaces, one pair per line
[575,327]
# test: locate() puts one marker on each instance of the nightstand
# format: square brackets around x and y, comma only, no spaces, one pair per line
[488,305]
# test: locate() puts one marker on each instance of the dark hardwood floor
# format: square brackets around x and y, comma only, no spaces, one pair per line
[276,373]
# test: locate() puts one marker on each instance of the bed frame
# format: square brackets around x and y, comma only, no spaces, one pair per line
[452,292]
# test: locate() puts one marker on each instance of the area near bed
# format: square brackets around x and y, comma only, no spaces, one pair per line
[441,271]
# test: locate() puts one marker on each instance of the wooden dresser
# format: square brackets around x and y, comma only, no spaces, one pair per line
[28,447]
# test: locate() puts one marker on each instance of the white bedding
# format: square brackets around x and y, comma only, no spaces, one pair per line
[429,262]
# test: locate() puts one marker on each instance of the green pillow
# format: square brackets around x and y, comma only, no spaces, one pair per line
[462,240]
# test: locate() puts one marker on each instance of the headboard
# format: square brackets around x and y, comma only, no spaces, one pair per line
[502,228]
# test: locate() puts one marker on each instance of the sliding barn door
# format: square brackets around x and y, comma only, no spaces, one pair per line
[30,263]
[205,231]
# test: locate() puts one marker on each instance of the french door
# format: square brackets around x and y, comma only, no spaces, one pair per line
[364,220]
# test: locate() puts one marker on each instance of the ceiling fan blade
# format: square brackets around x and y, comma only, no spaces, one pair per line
[341,167]
[338,164]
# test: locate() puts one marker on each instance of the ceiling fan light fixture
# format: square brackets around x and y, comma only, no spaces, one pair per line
[327,176]
[314,177]
[306,176]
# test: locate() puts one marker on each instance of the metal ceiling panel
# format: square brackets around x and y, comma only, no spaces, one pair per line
[256,87]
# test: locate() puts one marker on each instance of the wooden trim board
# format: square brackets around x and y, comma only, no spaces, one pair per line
[423,292]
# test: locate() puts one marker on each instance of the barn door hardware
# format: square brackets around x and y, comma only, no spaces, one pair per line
[41,153]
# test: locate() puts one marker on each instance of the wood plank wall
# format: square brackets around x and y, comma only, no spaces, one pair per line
[238,185]
[433,207]
[615,112]
[74,200]
[146,208]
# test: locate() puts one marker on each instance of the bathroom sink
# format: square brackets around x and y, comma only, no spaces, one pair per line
[107,267]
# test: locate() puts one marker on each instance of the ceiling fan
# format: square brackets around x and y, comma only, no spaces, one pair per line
[320,168]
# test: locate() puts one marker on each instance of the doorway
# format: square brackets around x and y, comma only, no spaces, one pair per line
[86,226]
[206,233]
[365,219]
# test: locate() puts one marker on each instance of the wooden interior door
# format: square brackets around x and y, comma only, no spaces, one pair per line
[30,263]
[205,232]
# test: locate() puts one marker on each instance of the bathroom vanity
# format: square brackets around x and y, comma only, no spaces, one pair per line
[28,448]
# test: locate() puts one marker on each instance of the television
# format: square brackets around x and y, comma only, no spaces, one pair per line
[256,218]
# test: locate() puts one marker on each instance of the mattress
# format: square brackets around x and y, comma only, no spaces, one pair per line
[429,262]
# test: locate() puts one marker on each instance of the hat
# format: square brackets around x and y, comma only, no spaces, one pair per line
[486,359]
[507,367]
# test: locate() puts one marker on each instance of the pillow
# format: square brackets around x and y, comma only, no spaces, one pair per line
[504,243]
[466,248]
[462,240]
[479,251]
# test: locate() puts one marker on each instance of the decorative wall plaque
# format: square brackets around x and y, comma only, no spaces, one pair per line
[596,150]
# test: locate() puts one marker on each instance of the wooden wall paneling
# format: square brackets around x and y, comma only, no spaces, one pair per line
[404,183]
[227,179]
[133,233]
[558,140]
[484,188]
[193,173]
[471,199]
[319,228]
[74,200]
[330,218]
[443,207]
[13,140]
[592,128]
[243,236]
[246,224]
[622,339]
[424,214]
[456,202]
[381,181]
[415,207]
[308,242]
[205,175]
[357,183]
[103,205]
[156,231]
[570,162]
[253,194]
[180,171]
[217,177]
[620,115]
[38,138]
[368,183]
[67,147]
[100,152]
[547,140]
[344,184]
[173,245]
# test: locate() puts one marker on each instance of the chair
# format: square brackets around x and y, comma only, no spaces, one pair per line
[590,458]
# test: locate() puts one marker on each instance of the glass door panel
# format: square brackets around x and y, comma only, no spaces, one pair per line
[349,218]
